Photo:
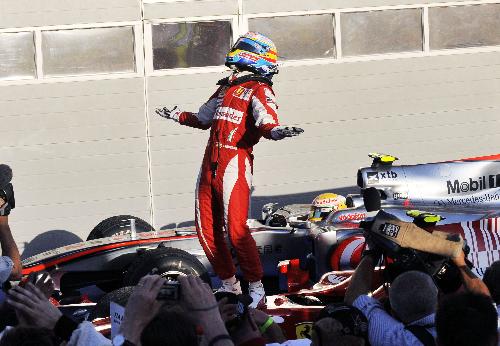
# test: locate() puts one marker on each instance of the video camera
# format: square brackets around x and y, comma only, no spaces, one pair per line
[407,246]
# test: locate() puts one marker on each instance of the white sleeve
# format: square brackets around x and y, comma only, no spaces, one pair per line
[264,108]
[6,266]
[206,112]
[86,335]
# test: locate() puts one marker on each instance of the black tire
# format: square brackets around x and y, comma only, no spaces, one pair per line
[118,225]
[169,261]
[119,296]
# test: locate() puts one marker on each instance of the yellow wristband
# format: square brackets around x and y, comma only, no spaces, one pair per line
[263,328]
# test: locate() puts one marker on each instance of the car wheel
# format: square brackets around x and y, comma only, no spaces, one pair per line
[347,254]
[169,262]
[119,296]
[118,225]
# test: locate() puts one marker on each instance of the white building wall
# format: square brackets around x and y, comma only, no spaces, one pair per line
[86,147]
[30,13]
[260,6]
[179,9]
[78,151]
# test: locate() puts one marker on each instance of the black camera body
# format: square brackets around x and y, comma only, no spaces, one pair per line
[442,270]
[169,291]
[401,259]
[242,302]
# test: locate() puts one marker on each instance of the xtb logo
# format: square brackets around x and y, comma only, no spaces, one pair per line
[388,175]
[374,177]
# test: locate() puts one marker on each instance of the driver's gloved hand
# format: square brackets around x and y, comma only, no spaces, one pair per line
[166,113]
[280,132]
[7,201]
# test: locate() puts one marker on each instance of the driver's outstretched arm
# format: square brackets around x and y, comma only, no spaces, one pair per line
[201,120]
[264,111]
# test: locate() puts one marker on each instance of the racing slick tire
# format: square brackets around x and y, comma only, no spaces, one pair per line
[119,296]
[118,225]
[169,262]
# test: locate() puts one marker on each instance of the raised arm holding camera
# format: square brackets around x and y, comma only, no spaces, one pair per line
[188,305]
[470,281]
[412,296]
[423,259]
[10,262]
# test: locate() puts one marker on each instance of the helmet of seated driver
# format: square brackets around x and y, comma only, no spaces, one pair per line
[324,204]
[254,52]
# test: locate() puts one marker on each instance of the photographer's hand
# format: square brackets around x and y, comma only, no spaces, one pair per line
[33,307]
[470,281]
[227,311]
[247,331]
[371,248]
[271,332]
[198,299]
[142,307]
[361,279]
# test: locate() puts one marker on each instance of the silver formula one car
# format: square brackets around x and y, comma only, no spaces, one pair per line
[464,191]
[464,197]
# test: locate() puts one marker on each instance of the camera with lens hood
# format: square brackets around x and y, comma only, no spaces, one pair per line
[410,246]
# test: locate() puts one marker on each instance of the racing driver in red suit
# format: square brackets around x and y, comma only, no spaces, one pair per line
[239,113]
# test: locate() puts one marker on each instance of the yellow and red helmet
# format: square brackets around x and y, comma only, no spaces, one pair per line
[324,204]
[254,52]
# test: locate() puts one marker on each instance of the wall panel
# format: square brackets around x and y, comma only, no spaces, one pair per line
[79,218]
[29,13]
[176,150]
[76,148]
[259,6]
[190,9]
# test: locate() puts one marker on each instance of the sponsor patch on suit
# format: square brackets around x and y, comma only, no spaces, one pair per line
[242,93]
[271,99]
[229,114]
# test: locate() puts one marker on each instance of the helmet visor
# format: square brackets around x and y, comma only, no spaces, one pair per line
[319,213]
[249,46]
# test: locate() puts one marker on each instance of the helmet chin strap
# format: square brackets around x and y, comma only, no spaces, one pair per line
[236,72]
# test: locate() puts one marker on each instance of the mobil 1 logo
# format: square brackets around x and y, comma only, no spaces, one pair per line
[484,182]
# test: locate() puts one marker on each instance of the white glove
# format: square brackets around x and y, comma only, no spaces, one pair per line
[280,132]
[166,113]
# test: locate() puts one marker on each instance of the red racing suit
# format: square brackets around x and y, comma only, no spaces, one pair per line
[238,114]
